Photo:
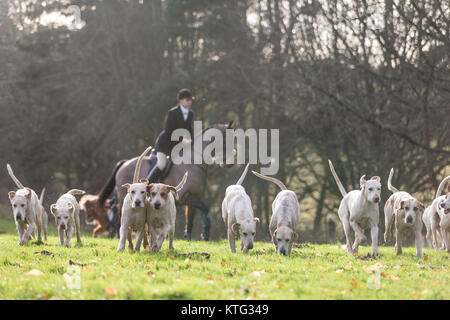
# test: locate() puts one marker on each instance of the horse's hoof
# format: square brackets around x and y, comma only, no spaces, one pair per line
[204,236]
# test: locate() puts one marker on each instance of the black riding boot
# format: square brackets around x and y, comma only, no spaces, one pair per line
[154,175]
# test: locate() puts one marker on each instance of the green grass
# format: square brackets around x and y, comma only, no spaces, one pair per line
[311,272]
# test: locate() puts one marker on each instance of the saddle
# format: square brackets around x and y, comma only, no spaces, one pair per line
[153,160]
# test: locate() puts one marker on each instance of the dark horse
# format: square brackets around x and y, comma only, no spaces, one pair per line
[190,195]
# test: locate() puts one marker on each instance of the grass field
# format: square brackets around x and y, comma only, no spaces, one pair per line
[94,270]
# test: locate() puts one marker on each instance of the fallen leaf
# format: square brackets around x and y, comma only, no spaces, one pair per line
[44,253]
[258,273]
[420,266]
[339,271]
[426,257]
[416,294]
[393,278]
[263,251]
[171,256]
[111,291]
[34,272]
[75,263]
[354,283]
[280,285]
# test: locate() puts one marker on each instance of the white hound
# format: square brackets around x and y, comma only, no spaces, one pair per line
[134,209]
[440,215]
[407,211]
[359,210]
[67,216]
[285,216]
[26,208]
[237,213]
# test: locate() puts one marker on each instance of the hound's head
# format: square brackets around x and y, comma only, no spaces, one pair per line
[246,231]
[284,238]
[444,205]
[371,188]
[160,194]
[137,192]
[410,211]
[62,215]
[20,201]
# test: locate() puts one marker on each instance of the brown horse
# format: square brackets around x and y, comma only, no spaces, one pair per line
[190,195]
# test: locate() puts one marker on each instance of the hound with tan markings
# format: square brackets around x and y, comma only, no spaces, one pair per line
[237,213]
[359,210]
[407,211]
[285,216]
[161,212]
[27,210]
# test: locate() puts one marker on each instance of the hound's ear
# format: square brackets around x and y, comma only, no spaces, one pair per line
[230,124]
[143,181]
[274,237]
[362,181]
[174,190]
[421,206]
[376,178]
[70,207]
[402,204]
[53,209]
[256,220]
[235,228]
[126,185]
[149,188]
[28,196]
[11,195]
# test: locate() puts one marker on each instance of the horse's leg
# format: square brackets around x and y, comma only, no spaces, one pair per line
[196,203]
[116,222]
[189,213]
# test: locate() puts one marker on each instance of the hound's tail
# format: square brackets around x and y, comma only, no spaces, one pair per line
[182,182]
[41,198]
[271,179]
[442,185]
[138,165]
[179,186]
[76,192]
[390,187]
[241,179]
[338,182]
[11,174]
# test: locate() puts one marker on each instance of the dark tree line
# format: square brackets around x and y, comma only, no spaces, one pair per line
[365,84]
